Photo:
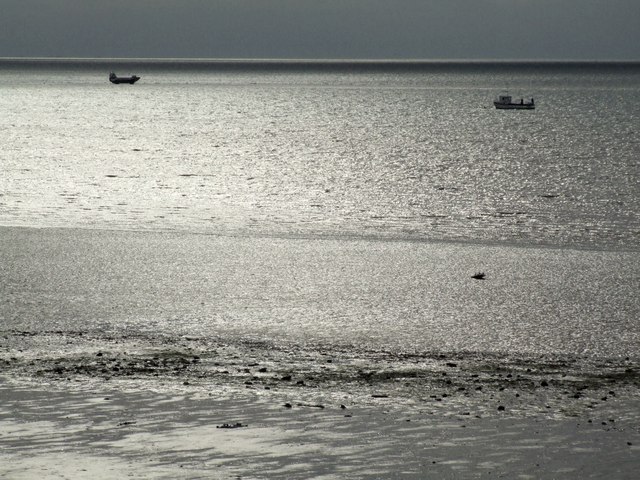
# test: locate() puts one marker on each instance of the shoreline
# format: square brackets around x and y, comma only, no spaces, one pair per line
[334,237]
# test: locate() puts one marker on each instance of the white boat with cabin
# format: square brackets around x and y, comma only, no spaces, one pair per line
[505,102]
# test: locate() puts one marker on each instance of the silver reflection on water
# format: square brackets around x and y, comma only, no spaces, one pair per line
[421,155]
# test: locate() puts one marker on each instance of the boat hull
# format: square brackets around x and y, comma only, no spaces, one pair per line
[514,106]
[130,80]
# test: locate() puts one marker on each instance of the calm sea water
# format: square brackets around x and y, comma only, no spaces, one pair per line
[407,151]
[319,202]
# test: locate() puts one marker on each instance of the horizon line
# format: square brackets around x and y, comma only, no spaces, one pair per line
[319,60]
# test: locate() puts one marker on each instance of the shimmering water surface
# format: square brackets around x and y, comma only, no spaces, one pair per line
[318,204]
[417,153]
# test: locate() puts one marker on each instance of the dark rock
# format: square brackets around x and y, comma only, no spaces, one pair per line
[263,370]
[286,378]
[544,383]
[288,405]
[451,364]
[231,425]
[501,408]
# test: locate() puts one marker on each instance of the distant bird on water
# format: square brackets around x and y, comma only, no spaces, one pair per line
[478,276]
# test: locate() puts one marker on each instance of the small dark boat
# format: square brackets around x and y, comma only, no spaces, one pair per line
[478,276]
[504,103]
[113,78]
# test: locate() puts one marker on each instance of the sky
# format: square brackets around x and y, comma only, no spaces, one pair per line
[322,29]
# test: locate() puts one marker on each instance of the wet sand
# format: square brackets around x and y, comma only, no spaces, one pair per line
[91,387]
[122,433]
[144,407]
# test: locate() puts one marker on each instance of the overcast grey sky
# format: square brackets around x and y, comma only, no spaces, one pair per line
[367,29]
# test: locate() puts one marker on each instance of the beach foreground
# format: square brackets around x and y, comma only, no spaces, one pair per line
[121,433]
[123,355]
[141,408]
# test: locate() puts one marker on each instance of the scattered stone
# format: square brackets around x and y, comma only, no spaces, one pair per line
[231,425]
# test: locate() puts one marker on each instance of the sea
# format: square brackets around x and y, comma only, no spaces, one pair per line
[330,206]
